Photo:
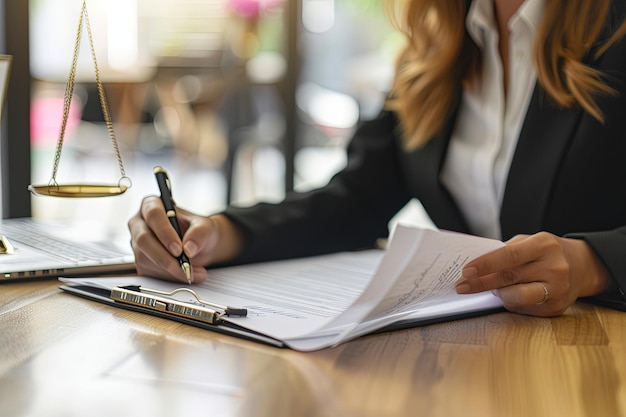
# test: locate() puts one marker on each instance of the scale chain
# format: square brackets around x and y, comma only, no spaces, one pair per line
[69,91]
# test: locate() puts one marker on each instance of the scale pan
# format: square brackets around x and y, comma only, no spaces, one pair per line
[78,190]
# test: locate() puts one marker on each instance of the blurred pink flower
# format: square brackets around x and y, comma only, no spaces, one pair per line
[252,8]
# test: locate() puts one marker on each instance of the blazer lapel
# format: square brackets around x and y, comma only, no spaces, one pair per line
[422,168]
[546,133]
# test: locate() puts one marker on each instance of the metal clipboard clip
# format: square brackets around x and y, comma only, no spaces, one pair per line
[161,301]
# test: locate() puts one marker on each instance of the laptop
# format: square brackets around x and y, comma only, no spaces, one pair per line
[36,249]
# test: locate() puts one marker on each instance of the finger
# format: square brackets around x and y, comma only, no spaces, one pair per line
[207,241]
[518,251]
[531,300]
[526,273]
[151,258]
[506,257]
[200,237]
[153,213]
[526,294]
[199,274]
[157,262]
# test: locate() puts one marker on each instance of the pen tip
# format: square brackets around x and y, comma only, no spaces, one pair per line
[187,270]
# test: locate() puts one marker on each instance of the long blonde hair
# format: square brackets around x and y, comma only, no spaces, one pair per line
[439,57]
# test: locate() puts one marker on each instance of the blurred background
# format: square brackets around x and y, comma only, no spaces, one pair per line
[240,100]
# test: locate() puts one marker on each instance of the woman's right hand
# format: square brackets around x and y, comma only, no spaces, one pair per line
[206,240]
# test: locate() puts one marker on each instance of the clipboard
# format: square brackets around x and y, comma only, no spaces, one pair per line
[107,296]
[318,302]
[196,315]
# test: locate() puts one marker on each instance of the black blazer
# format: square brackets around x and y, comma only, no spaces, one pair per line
[567,177]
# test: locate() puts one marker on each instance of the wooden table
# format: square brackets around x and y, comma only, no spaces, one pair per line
[61,355]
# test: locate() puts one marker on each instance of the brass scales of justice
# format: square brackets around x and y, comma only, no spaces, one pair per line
[79,190]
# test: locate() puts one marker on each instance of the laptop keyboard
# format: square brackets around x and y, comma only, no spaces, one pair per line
[29,234]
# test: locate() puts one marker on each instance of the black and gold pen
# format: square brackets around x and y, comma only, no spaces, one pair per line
[165,190]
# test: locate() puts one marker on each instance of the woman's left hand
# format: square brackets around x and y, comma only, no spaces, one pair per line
[539,275]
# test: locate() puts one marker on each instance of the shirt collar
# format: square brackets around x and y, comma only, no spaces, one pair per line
[481,19]
[531,12]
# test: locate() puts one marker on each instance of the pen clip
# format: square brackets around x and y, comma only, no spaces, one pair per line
[228,310]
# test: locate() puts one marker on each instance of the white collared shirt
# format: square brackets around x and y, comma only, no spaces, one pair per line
[488,123]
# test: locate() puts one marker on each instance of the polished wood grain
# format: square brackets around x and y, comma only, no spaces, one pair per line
[65,356]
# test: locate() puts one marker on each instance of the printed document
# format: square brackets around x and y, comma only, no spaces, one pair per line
[317,302]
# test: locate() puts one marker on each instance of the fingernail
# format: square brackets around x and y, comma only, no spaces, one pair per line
[191,249]
[462,288]
[469,272]
[175,249]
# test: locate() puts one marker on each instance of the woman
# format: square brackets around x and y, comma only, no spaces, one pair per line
[507,119]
